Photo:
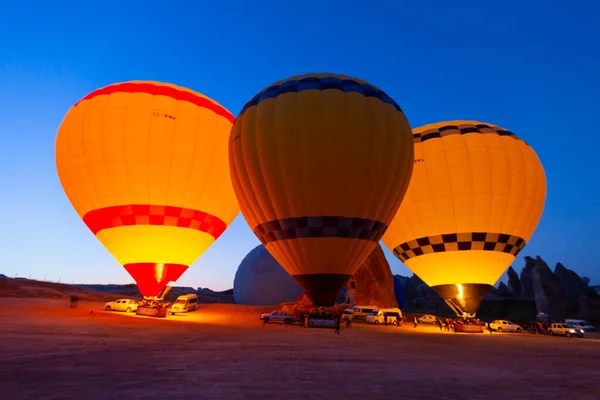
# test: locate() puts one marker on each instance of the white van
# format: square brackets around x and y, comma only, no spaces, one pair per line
[361,312]
[580,324]
[185,303]
[378,316]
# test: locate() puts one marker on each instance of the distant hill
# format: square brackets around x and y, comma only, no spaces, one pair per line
[22,287]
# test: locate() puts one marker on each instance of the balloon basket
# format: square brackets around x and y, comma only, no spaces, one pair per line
[157,312]
[468,328]
[321,323]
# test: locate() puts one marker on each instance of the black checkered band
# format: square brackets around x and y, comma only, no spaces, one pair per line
[460,129]
[460,242]
[320,227]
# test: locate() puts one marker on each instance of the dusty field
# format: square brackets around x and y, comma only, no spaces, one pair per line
[48,351]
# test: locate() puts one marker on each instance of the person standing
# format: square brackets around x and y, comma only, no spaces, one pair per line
[337,325]
[415,321]
[74,301]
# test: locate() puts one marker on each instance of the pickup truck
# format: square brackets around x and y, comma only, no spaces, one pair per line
[278,316]
[127,305]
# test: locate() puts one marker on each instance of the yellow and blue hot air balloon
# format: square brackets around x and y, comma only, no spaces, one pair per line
[475,198]
[319,165]
[145,165]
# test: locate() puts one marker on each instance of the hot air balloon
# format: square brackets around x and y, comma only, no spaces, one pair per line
[261,281]
[319,165]
[145,165]
[475,198]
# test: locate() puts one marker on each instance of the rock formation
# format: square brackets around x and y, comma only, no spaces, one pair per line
[514,284]
[373,283]
[502,289]
[561,294]
[526,279]
[585,280]
[301,305]
[549,292]
[399,289]
[415,288]
[574,285]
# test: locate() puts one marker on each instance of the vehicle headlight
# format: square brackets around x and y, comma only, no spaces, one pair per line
[581,330]
[572,330]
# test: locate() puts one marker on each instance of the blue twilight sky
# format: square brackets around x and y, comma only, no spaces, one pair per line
[529,66]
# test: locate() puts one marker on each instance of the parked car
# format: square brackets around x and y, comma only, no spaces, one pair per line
[348,314]
[500,325]
[127,305]
[427,319]
[580,324]
[278,316]
[564,330]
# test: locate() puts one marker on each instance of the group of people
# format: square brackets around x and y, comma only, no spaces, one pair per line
[449,324]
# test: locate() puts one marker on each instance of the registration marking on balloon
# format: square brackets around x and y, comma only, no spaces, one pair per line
[160,90]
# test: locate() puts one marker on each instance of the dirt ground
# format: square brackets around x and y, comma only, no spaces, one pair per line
[49,351]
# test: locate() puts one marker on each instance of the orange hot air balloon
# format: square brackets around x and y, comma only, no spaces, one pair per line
[320,164]
[145,164]
[475,198]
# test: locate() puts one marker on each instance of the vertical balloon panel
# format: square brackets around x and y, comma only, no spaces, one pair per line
[145,165]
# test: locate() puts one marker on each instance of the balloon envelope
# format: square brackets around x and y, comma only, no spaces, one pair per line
[319,165]
[145,165]
[261,281]
[475,198]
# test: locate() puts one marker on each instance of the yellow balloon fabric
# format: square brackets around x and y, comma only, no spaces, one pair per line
[475,198]
[319,165]
[145,165]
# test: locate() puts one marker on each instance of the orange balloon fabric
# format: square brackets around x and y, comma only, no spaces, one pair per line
[320,164]
[476,195]
[145,165]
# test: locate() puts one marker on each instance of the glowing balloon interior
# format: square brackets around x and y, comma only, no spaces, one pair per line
[320,164]
[475,198]
[145,165]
